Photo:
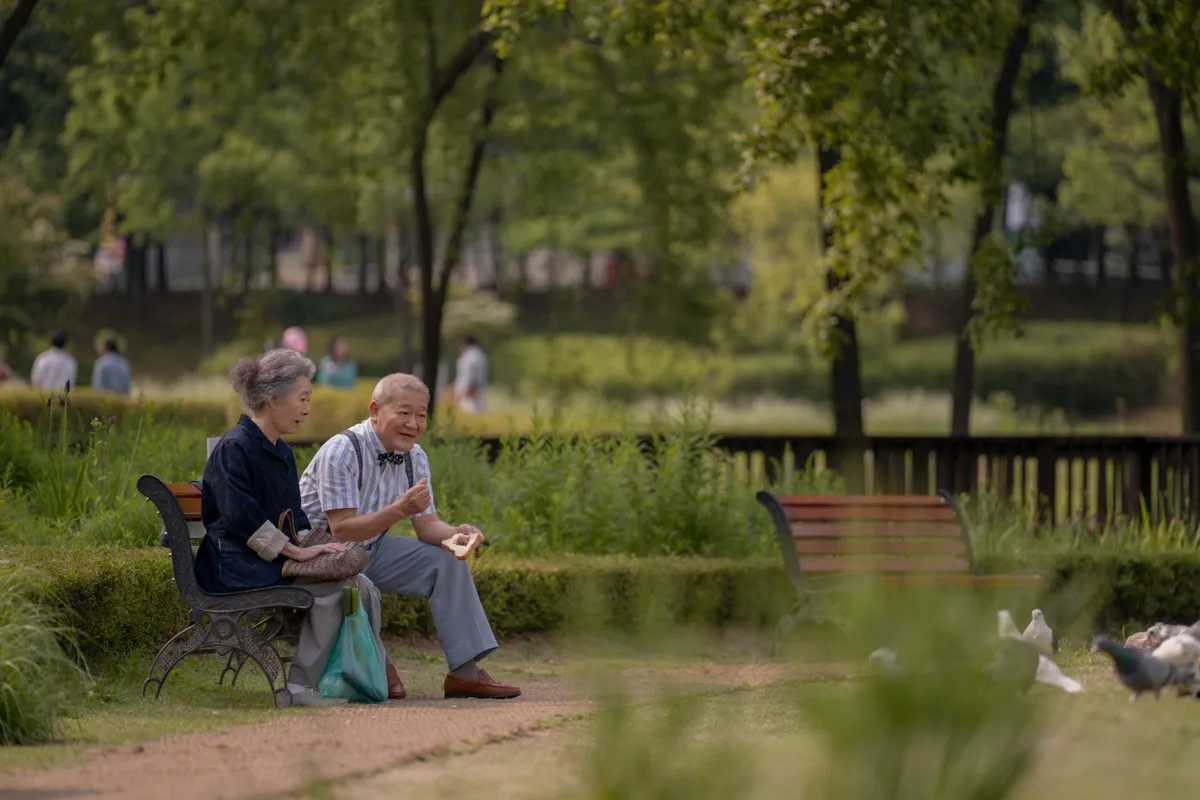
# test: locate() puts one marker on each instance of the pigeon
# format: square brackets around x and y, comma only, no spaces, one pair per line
[1007,626]
[1050,674]
[1041,670]
[1141,672]
[1016,664]
[885,661]
[1040,634]
[1162,631]
[1143,641]
[1180,650]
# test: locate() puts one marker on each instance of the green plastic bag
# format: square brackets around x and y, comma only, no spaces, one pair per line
[355,671]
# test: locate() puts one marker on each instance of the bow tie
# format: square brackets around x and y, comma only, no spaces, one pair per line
[391,458]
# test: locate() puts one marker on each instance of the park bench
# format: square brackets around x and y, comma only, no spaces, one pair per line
[239,625]
[828,540]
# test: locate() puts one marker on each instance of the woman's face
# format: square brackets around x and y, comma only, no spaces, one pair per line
[341,349]
[287,413]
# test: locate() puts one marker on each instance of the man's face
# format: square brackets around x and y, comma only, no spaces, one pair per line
[400,422]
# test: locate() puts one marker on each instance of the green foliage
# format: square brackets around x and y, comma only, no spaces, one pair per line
[1082,370]
[32,406]
[122,600]
[38,677]
[972,736]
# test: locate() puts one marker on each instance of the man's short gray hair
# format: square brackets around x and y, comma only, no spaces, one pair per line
[270,377]
[391,385]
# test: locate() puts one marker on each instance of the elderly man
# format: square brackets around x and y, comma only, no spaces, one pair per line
[368,478]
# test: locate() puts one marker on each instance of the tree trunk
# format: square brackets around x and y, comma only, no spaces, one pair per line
[433,304]
[1185,241]
[495,238]
[206,287]
[273,248]
[160,249]
[1100,252]
[962,387]
[441,83]
[1132,279]
[404,310]
[248,260]
[381,264]
[845,375]
[364,261]
[135,266]
[12,26]
[330,253]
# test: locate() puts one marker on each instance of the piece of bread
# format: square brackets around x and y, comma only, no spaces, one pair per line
[461,551]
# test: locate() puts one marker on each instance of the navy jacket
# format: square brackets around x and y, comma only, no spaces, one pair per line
[248,481]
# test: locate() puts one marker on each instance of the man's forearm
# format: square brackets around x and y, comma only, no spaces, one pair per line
[360,527]
[433,531]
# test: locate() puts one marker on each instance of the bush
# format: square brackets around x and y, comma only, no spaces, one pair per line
[123,600]
[1084,370]
[31,405]
[37,676]
[1123,593]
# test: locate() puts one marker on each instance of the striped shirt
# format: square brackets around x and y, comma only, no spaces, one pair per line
[331,479]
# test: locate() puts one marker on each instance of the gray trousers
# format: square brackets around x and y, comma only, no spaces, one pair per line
[408,566]
[323,622]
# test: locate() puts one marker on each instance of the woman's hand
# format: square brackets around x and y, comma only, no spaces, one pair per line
[309,553]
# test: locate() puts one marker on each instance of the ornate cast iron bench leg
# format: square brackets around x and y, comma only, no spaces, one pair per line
[177,648]
[233,664]
[813,606]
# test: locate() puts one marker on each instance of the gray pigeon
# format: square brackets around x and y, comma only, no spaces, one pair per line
[1141,672]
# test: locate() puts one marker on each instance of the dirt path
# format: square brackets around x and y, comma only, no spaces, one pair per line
[285,755]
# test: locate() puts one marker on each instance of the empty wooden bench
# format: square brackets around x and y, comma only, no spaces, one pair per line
[895,539]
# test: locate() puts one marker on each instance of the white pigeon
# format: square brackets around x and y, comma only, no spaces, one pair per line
[1006,625]
[1040,634]
[1049,673]
[1181,650]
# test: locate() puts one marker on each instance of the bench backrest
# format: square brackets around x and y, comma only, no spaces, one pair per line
[896,534]
[178,536]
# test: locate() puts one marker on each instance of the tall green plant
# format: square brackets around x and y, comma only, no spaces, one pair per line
[37,676]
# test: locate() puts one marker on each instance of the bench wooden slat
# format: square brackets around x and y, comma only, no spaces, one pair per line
[959,579]
[188,497]
[952,565]
[892,547]
[876,530]
[869,513]
[786,500]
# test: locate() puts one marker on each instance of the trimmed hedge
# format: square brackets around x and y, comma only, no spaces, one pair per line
[1084,370]
[84,405]
[122,600]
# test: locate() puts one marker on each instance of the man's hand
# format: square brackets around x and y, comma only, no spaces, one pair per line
[309,553]
[463,534]
[415,500]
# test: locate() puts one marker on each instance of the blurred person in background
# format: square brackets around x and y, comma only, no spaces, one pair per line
[6,373]
[54,368]
[111,371]
[294,338]
[470,376]
[338,369]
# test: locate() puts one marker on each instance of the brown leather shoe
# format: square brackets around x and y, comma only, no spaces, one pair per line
[395,686]
[485,688]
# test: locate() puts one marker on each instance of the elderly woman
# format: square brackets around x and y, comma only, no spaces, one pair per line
[249,483]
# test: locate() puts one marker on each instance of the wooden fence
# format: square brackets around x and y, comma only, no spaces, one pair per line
[1066,476]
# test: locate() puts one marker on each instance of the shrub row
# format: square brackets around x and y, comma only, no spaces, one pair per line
[125,600]
[1082,371]
[83,405]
